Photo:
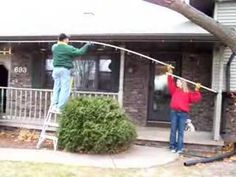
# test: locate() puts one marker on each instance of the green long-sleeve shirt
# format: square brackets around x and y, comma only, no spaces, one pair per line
[64,53]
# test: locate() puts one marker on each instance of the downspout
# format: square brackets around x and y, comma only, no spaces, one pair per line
[210,159]
[228,74]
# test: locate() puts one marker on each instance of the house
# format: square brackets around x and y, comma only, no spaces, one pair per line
[225,12]
[25,60]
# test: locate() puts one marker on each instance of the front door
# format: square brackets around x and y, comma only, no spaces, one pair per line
[3,92]
[159,97]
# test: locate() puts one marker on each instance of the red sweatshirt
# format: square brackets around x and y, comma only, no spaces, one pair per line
[181,100]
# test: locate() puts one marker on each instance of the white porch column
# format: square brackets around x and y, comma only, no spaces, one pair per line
[218,99]
[121,80]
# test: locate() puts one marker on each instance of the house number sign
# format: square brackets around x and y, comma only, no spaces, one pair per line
[20,69]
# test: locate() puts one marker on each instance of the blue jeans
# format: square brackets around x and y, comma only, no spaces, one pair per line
[178,120]
[61,88]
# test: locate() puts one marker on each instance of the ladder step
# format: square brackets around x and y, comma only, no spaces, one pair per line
[52,124]
[46,126]
[51,137]
[54,112]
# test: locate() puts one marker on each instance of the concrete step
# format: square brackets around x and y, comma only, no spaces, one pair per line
[194,141]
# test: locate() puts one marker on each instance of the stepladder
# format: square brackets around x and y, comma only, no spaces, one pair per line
[50,124]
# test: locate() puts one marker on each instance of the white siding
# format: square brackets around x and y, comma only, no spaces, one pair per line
[225,13]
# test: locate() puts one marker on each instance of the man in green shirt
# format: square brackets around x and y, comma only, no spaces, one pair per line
[63,54]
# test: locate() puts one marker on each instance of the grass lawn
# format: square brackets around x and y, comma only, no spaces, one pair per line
[176,169]
[24,169]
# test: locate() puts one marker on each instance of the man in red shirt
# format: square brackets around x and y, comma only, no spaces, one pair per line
[181,98]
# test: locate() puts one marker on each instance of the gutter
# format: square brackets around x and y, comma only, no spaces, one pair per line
[224,0]
[127,37]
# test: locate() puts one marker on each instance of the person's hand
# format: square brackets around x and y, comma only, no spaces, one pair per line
[169,69]
[197,86]
[89,43]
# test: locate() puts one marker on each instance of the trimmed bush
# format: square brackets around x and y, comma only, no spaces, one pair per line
[95,125]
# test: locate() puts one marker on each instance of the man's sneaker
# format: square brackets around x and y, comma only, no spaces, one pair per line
[173,150]
[180,152]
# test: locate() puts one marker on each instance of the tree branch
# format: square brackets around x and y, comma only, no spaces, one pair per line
[225,34]
[165,3]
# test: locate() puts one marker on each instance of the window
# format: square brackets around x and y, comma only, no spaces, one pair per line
[97,73]
[49,64]
[91,73]
[84,74]
[48,67]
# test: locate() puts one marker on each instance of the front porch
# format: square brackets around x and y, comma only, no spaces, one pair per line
[158,134]
[27,108]
[124,77]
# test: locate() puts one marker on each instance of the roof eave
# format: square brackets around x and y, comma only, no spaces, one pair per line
[128,37]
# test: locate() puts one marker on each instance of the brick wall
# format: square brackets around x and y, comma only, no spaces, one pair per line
[197,67]
[21,103]
[229,117]
[136,88]
[21,78]
[27,66]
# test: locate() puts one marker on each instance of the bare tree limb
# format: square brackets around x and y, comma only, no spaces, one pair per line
[225,34]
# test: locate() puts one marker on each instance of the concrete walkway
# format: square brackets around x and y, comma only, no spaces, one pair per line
[136,157]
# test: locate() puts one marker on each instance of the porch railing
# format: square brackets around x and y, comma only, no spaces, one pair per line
[29,106]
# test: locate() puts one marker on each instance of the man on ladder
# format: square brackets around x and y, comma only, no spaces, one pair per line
[63,55]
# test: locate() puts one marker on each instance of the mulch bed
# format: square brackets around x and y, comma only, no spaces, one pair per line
[21,138]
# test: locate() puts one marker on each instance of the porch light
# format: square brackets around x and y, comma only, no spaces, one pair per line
[131,68]
[101,49]
[43,50]
[89,13]
[6,51]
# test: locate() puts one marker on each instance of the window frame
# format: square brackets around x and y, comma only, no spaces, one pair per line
[97,58]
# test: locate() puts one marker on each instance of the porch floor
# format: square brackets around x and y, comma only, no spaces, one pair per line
[154,134]
[162,135]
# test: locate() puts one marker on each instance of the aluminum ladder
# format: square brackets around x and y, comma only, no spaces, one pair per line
[48,123]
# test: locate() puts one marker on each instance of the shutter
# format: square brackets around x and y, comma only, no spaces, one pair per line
[38,72]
